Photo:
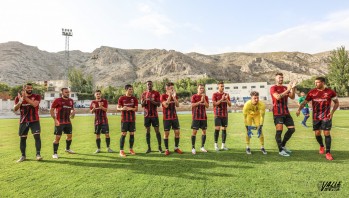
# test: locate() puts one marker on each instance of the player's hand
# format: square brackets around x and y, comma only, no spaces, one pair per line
[298,112]
[93,105]
[249,131]
[20,98]
[259,130]
[124,108]
[174,94]
[330,115]
[293,84]
[72,114]
[100,104]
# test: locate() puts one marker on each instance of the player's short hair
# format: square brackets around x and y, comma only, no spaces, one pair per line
[128,86]
[28,84]
[320,78]
[201,85]
[169,84]
[98,91]
[220,83]
[254,93]
[279,74]
[149,81]
[64,88]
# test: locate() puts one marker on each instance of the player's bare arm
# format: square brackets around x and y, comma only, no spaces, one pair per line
[335,107]
[301,106]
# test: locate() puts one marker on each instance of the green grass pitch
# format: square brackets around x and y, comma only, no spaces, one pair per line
[230,173]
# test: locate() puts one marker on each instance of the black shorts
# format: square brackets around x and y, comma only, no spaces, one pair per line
[102,128]
[151,122]
[221,121]
[128,126]
[24,128]
[171,123]
[199,124]
[322,125]
[66,128]
[286,120]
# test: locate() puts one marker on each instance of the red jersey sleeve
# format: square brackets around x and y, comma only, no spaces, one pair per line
[214,99]
[91,105]
[193,99]
[135,102]
[16,100]
[105,103]
[157,97]
[206,98]
[120,101]
[308,98]
[334,95]
[55,103]
[272,90]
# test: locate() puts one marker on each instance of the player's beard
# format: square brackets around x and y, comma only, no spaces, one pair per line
[65,96]
[29,92]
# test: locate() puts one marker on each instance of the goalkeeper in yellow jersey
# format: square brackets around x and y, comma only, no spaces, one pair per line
[254,111]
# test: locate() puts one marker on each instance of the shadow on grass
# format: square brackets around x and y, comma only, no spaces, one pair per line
[197,167]
[170,167]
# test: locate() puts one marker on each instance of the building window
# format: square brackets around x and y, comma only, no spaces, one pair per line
[210,88]
[262,86]
[52,95]
[236,87]
[253,87]
[244,87]
[72,95]
[227,88]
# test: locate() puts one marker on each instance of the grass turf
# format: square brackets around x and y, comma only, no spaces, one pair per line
[230,173]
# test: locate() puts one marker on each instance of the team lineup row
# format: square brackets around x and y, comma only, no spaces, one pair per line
[62,111]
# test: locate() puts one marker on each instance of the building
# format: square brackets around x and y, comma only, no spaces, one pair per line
[53,91]
[240,92]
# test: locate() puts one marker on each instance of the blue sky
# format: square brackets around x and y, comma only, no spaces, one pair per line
[204,26]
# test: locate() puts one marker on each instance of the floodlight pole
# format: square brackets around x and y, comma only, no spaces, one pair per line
[67,33]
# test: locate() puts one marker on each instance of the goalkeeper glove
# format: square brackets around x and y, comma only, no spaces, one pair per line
[249,131]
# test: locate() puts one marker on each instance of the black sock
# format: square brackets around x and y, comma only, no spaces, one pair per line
[319,140]
[203,140]
[193,138]
[23,145]
[158,136]
[55,148]
[278,139]
[166,143]
[107,141]
[147,137]
[216,135]
[122,142]
[224,135]
[132,140]
[98,142]
[287,136]
[176,141]
[37,143]
[328,143]
[68,144]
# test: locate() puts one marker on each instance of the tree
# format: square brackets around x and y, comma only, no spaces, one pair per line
[4,87]
[79,82]
[338,75]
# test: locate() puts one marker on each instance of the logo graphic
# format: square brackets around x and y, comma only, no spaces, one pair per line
[329,185]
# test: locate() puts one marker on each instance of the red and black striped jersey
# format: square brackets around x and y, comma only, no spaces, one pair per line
[199,112]
[220,110]
[128,101]
[63,109]
[100,115]
[150,110]
[170,112]
[27,111]
[280,107]
[321,102]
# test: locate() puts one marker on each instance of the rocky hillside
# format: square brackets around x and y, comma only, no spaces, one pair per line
[20,63]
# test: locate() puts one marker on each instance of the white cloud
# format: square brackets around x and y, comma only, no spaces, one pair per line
[152,21]
[312,37]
